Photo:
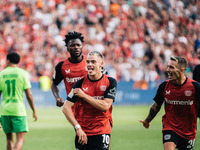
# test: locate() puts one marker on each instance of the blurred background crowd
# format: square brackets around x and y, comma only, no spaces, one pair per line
[137,37]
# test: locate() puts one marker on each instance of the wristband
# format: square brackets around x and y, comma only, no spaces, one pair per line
[77,126]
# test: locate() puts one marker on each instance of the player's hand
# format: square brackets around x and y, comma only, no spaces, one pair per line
[145,124]
[59,102]
[78,92]
[82,137]
[35,116]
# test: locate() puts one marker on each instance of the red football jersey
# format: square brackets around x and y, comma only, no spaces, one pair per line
[70,72]
[180,107]
[92,120]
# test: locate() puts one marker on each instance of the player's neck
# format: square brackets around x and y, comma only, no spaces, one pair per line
[76,59]
[179,81]
[96,76]
[11,65]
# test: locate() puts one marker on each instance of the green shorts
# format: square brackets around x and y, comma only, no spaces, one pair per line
[14,124]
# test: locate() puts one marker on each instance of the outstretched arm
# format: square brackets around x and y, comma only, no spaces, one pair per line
[55,91]
[155,108]
[29,97]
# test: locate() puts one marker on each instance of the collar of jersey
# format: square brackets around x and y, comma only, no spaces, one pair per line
[95,80]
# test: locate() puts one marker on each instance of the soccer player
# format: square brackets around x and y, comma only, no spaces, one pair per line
[94,95]
[71,69]
[181,96]
[13,82]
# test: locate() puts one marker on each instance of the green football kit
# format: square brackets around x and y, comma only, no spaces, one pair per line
[13,82]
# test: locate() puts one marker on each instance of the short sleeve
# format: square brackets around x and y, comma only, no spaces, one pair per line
[159,98]
[58,77]
[111,90]
[27,83]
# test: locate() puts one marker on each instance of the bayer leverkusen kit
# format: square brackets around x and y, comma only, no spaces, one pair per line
[70,72]
[180,107]
[92,120]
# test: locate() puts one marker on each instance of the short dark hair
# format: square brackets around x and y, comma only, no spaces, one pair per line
[13,57]
[182,62]
[73,35]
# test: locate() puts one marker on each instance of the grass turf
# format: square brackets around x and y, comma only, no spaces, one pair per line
[53,132]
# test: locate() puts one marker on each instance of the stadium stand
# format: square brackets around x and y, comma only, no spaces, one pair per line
[136,36]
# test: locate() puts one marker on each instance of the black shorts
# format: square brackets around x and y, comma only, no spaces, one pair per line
[181,143]
[95,142]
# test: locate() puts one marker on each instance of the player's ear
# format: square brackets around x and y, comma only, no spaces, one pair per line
[7,61]
[183,70]
[102,63]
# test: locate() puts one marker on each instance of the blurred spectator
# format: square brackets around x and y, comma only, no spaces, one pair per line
[137,37]
[142,84]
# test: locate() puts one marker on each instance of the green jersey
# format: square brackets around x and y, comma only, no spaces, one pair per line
[13,82]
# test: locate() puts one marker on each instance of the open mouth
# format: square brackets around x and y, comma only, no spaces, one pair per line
[90,69]
[169,75]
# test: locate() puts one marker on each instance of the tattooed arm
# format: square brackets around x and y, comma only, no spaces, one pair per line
[155,108]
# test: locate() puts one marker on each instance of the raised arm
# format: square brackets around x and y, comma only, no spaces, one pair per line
[155,108]
[29,97]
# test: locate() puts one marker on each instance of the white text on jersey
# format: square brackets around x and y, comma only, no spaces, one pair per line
[176,102]
[70,80]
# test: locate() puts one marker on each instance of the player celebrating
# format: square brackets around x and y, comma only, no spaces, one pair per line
[181,96]
[94,95]
[13,82]
[71,69]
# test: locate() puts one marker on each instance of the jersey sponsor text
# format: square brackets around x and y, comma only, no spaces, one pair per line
[176,102]
[71,80]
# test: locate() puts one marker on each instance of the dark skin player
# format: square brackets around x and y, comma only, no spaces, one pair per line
[74,47]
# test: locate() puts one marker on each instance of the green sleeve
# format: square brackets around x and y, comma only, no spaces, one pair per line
[27,84]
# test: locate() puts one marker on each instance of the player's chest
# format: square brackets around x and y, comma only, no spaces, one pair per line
[179,93]
[94,88]
[73,70]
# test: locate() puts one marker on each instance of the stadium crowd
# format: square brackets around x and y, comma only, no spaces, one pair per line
[137,37]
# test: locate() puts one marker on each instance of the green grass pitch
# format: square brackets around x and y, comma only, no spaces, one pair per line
[53,132]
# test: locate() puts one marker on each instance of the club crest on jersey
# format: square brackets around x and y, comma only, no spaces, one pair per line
[85,89]
[188,93]
[67,71]
[167,92]
[103,88]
